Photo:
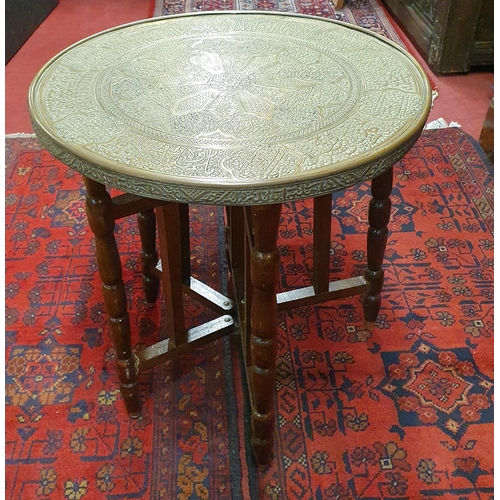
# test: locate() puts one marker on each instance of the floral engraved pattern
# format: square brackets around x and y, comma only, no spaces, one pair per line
[231,92]
[261,99]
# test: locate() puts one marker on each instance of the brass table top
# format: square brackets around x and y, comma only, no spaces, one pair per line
[234,108]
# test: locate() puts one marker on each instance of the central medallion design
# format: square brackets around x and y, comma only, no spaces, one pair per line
[229,83]
[436,386]
[433,387]
[224,91]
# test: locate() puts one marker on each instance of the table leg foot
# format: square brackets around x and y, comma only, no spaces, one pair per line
[378,217]
[263,437]
[369,325]
[264,274]
[263,451]
[102,223]
[149,255]
[130,395]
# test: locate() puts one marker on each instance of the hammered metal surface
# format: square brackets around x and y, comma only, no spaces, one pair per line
[230,108]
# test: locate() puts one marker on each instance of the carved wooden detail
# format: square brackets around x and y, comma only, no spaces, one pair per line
[378,217]
[102,223]
[264,272]
[453,34]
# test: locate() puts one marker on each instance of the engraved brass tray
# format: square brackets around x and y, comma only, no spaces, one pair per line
[234,108]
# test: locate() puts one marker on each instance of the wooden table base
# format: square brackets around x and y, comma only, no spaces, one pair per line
[173,231]
[252,235]
[254,262]
[174,271]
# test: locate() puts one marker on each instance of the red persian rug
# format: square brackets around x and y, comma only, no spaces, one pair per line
[365,13]
[403,411]
[406,410]
[68,435]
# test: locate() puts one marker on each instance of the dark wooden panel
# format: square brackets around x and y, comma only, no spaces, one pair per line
[414,22]
[484,31]
[22,18]
[482,52]
[453,39]
[452,35]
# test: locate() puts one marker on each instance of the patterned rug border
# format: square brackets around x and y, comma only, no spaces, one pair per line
[347,15]
[471,178]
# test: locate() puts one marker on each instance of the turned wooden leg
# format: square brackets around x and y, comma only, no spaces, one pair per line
[378,218]
[149,255]
[102,223]
[264,273]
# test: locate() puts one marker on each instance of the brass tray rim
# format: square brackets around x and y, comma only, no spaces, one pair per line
[75,156]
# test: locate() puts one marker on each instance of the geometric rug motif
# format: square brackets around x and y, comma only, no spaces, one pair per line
[339,433]
[66,436]
[438,387]
[348,427]
[47,373]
